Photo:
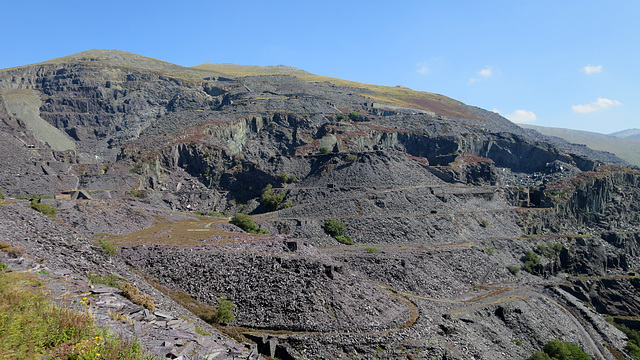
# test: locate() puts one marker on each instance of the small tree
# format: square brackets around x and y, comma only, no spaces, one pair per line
[334,227]
[224,314]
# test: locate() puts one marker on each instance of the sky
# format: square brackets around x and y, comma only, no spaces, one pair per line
[569,64]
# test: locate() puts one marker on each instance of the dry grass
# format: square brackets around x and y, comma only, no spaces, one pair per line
[186,232]
[133,293]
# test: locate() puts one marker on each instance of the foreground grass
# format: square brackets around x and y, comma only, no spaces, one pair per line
[32,327]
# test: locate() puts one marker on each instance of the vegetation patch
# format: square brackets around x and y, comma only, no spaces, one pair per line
[108,247]
[531,262]
[43,208]
[133,293]
[272,200]
[337,228]
[514,269]
[111,280]
[31,327]
[350,159]
[13,251]
[288,178]
[224,314]
[560,350]
[246,223]
[633,344]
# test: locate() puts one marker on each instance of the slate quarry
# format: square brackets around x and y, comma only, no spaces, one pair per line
[441,200]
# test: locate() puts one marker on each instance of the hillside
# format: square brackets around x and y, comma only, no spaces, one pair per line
[384,222]
[623,145]
[627,134]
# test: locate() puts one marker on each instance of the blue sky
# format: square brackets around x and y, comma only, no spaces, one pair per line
[571,64]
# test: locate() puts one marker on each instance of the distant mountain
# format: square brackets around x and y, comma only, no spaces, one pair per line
[624,144]
[627,134]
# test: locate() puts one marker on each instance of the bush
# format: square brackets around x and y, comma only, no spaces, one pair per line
[43,208]
[633,343]
[551,250]
[108,247]
[2,266]
[371,250]
[489,250]
[224,314]
[484,223]
[350,159]
[355,116]
[514,269]
[288,178]
[334,227]
[245,222]
[324,150]
[271,200]
[345,239]
[531,261]
[563,350]
[133,293]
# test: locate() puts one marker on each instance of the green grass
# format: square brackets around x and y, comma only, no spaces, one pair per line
[43,208]
[32,327]
[109,280]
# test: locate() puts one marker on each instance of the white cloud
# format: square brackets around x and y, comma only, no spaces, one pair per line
[422,69]
[589,69]
[597,105]
[485,73]
[522,116]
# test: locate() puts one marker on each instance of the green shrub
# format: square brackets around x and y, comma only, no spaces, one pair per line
[371,250]
[489,250]
[324,150]
[288,178]
[345,239]
[43,208]
[563,350]
[1,195]
[245,222]
[334,227]
[340,117]
[633,342]
[484,223]
[2,266]
[108,247]
[531,261]
[271,200]
[514,269]
[224,314]
[551,250]
[355,116]
[517,342]
[350,159]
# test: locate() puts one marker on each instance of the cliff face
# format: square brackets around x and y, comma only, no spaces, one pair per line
[442,203]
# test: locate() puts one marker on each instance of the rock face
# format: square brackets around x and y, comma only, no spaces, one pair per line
[442,201]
